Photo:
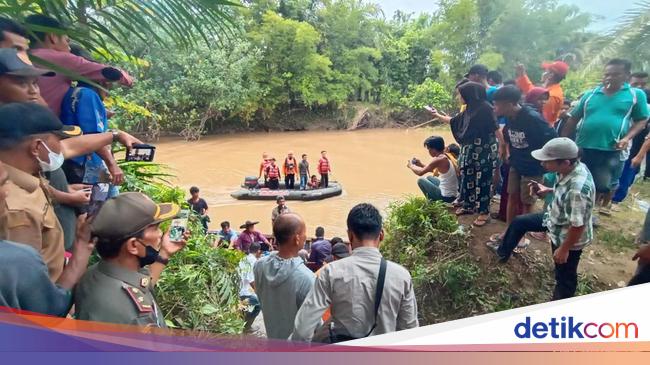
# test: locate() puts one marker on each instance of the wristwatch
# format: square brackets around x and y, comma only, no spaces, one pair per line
[116,134]
[162,260]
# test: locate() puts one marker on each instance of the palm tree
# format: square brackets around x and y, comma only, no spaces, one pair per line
[630,39]
[97,24]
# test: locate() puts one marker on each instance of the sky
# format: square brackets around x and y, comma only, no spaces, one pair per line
[609,10]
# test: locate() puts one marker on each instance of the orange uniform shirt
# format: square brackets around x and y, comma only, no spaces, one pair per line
[555,101]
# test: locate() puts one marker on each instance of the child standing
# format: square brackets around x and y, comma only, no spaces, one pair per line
[324,168]
[303,167]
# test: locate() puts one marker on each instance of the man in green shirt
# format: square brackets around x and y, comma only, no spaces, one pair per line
[612,114]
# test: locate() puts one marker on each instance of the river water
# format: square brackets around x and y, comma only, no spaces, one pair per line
[370,164]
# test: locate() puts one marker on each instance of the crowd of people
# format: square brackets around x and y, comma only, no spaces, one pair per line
[528,142]
[291,168]
[55,144]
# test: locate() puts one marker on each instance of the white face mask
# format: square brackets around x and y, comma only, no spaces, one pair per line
[56,160]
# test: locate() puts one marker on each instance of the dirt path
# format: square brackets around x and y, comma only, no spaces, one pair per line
[605,264]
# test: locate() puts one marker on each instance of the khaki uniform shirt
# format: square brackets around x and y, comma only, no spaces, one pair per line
[113,294]
[31,219]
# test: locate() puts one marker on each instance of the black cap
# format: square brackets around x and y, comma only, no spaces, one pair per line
[481,70]
[340,250]
[20,120]
[44,21]
[12,63]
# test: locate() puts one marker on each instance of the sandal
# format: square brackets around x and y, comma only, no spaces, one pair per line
[497,237]
[457,203]
[482,220]
[464,211]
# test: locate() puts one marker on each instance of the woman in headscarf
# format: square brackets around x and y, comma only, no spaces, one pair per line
[474,128]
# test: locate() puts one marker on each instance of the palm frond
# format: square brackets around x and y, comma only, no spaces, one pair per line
[95,22]
[632,34]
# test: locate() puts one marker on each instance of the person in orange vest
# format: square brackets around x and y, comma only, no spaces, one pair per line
[290,169]
[324,168]
[273,175]
[554,73]
[263,165]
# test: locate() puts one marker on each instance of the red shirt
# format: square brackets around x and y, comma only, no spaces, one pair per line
[53,88]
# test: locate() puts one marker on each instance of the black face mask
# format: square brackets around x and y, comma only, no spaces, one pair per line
[150,256]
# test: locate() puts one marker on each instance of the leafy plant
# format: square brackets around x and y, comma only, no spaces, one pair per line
[199,289]
[449,281]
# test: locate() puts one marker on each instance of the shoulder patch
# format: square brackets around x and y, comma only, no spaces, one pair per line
[137,296]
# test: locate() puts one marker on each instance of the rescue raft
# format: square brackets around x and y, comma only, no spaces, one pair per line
[249,192]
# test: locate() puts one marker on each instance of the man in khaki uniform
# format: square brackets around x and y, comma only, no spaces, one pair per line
[30,144]
[119,289]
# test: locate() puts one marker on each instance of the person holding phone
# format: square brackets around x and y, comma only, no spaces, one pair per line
[568,219]
[475,128]
[117,289]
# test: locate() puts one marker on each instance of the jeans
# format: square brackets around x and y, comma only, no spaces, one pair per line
[324,180]
[430,187]
[254,308]
[303,182]
[273,184]
[626,180]
[93,174]
[517,229]
[566,275]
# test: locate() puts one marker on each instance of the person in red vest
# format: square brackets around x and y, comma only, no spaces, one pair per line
[263,165]
[273,174]
[324,168]
[290,169]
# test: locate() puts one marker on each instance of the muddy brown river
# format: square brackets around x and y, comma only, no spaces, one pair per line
[370,164]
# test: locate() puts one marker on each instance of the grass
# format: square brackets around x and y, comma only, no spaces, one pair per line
[615,240]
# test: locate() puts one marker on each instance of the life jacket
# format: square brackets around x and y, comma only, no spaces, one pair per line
[323,166]
[289,166]
[273,172]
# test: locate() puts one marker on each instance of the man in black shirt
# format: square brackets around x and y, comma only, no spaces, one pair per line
[525,131]
[200,206]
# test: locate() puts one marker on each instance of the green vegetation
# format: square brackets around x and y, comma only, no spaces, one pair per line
[450,280]
[217,66]
[199,289]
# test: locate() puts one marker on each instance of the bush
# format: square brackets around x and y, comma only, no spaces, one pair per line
[449,281]
[199,289]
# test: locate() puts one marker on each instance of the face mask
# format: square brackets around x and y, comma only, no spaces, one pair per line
[56,160]
[150,256]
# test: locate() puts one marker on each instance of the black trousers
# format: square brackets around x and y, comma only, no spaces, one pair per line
[324,180]
[641,276]
[566,275]
[273,184]
[289,181]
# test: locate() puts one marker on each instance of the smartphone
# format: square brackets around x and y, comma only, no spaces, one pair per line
[141,152]
[179,226]
[98,196]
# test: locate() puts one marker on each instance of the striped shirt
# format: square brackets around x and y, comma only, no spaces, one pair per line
[572,206]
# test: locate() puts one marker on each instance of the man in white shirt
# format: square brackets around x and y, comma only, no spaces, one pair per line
[247,283]
[349,286]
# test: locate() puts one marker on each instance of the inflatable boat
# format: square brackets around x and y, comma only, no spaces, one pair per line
[256,192]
